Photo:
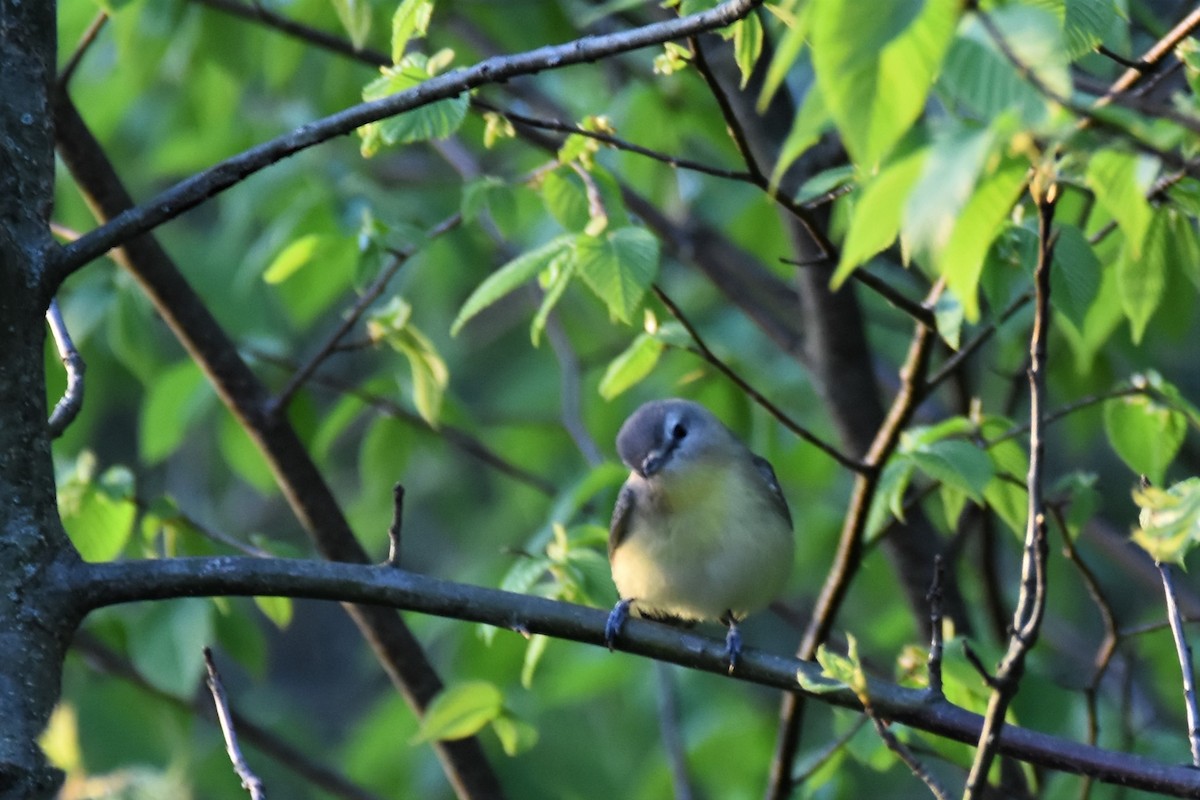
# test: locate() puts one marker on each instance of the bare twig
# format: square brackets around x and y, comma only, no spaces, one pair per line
[372,293]
[904,754]
[194,190]
[829,751]
[397,526]
[935,626]
[258,12]
[70,404]
[668,723]
[922,314]
[85,43]
[250,782]
[967,350]
[1184,650]
[708,355]
[1031,602]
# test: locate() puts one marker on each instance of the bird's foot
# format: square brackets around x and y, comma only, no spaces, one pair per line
[616,621]
[733,641]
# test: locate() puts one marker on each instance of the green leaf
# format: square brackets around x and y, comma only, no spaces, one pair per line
[411,20]
[533,656]
[167,642]
[290,259]
[1169,520]
[810,122]
[477,196]
[948,177]
[631,366]
[393,324]
[173,404]
[566,199]
[460,711]
[619,267]
[876,221]
[786,52]
[747,45]
[560,272]
[435,120]
[507,278]
[889,496]
[1143,278]
[276,609]
[98,513]
[1144,433]
[1119,181]
[956,463]
[1074,275]
[355,16]
[875,69]
[515,735]
[1185,246]
[1086,23]
[961,260]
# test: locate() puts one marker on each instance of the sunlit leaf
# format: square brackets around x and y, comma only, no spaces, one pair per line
[619,267]
[410,20]
[1144,433]
[507,278]
[1169,520]
[631,366]
[877,215]
[1142,278]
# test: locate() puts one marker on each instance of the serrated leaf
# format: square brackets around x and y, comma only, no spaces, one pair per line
[631,366]
[876,221]
[435,120]
[1144,433]
[1118,181]
[1074,275]
[875,69]
[566,199]
[411,20]
[961,260]
[507,278]
[619,267]
[747,45]
[460,711]
[956,463]
[1169,520]
[1142,279]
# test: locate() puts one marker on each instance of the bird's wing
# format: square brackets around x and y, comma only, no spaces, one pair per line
[622,513]
[768,474]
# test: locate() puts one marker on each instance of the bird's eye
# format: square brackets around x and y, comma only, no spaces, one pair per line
[678,432]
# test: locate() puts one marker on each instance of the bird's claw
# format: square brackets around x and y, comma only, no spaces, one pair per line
[733,644]
[616,622]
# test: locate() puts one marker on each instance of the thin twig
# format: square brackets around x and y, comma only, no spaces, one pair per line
[829,751]
[69,405]
[194,190]
[967,350]
[397,526]
[1031,601]
[935,626]
[455,436]
[1067,410]
[708,355]
[904,754]
[1184,650]
[668,723]
[256,11]
[250,782]
[922,314]
[85,43]
[372,293]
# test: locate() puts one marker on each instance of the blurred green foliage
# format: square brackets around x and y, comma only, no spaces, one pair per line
[942,132]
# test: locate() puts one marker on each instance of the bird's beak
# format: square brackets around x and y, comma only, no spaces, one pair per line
[656,459]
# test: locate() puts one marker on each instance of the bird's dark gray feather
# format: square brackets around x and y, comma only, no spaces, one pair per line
[768,473]
[620,520]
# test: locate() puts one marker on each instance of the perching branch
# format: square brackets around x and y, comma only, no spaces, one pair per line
[250,782]
[194,190]
[70,404]
[105,584]
[1031,602]
[1184,651]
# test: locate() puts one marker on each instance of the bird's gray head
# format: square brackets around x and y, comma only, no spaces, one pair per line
[666,433]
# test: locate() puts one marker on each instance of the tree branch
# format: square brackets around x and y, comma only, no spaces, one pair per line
[194,190]
[1184,651]
[250,782]
[94,586]
[70,404]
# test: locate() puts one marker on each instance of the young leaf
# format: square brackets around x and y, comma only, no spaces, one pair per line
[876,221]
[436,120]
[1143,279]
[1169,520]
[561,271]
[515,735]
[635,363]
[619,267]
[460,711]
[276,609]
[411,20]
[747,45]
[1145,434]
[521,269]
[1117,179]
[355,16]
[98,513]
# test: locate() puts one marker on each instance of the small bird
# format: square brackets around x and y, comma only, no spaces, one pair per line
[701,529]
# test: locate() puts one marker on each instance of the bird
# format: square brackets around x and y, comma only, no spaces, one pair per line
[701,529]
